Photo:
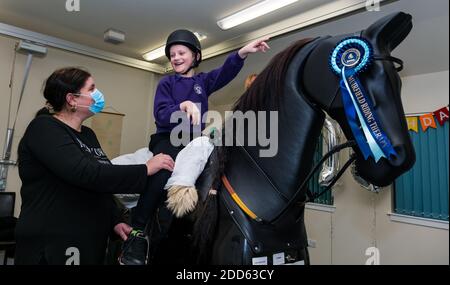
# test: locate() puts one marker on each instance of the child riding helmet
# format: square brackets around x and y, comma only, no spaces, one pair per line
[188,39]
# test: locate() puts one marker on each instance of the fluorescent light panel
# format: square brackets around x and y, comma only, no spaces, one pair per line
[161,51]
[154,54]
[200,36]
[252,12]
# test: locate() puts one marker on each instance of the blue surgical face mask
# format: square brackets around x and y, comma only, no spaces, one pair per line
[99,101]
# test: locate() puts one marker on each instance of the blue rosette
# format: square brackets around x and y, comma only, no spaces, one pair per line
[355,54]
[350,57]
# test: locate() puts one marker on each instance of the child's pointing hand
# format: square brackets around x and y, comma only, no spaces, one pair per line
[255,46]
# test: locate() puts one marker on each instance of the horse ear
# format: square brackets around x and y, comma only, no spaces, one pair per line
[390,31]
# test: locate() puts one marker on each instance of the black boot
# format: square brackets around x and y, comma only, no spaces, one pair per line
[135,249]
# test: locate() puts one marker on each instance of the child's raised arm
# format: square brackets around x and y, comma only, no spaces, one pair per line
[255,46]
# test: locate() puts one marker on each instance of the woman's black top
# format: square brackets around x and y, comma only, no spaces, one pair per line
[68,209]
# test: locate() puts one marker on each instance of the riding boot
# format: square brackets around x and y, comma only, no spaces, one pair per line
[135,249]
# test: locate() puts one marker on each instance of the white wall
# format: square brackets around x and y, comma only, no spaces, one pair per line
[425,92]
[128,90]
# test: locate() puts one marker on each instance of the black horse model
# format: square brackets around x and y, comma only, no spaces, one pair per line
[257,215]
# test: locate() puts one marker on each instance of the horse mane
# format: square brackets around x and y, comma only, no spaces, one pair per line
[265,92]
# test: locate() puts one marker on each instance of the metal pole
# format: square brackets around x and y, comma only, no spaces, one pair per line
[5,162]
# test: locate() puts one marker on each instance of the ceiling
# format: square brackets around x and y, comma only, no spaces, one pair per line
[146,23]
[425,50]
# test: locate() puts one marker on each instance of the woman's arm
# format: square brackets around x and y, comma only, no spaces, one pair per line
[119,221]
[53,146]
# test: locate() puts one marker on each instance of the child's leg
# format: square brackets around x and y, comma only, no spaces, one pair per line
[135,249]
[150,199]
[155,193]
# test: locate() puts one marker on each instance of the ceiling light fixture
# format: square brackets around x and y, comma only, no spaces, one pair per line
[252,12]
[154,54]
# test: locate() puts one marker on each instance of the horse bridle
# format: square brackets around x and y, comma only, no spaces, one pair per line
[311,197]
[392,59]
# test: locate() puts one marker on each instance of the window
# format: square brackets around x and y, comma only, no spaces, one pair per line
[313,185]
[423,191]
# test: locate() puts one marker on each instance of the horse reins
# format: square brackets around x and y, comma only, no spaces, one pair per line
[310,196]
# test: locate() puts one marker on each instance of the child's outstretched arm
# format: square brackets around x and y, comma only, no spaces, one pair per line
[218,78]
[255,46]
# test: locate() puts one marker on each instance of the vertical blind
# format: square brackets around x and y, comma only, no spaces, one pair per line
[423,191]
[327,198]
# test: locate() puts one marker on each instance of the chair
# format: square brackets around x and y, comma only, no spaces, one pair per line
[7,224]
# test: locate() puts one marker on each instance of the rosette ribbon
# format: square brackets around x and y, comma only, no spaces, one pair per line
[351,57]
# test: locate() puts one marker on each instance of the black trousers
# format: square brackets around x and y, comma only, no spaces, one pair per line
[155,194]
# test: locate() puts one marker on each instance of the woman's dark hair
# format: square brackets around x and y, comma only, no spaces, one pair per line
[63,81]
[43,111]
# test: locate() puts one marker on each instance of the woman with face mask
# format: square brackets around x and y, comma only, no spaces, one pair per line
[68,210]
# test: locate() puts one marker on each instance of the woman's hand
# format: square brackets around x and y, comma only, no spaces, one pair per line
[158,162]
[123,230]
[192,111]
[255,46]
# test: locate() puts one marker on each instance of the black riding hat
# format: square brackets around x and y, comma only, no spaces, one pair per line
[186,38]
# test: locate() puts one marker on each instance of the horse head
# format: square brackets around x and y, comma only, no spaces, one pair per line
[380,82]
